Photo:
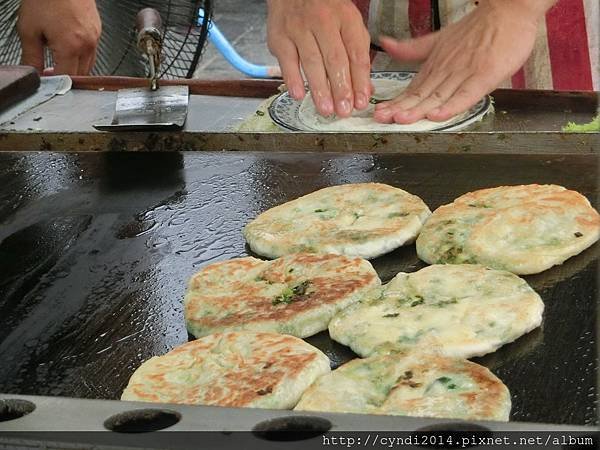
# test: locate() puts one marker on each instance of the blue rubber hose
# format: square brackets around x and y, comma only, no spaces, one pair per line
[226,49]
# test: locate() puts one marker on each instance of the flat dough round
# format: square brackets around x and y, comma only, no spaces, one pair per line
[363,120]
[296,294]
[365,220]
[412,384]
[244,369]
[462,310]
[523,229]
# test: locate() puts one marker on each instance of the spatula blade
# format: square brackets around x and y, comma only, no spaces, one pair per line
[141,108]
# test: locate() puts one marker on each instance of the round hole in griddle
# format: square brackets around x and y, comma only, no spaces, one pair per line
[291,428]
[14,408]
[142,420]
[452,435]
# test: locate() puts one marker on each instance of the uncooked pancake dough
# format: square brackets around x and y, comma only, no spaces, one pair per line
[363,120]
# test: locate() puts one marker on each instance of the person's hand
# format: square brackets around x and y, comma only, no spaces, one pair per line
[328,40]
[464,61]
[70,28]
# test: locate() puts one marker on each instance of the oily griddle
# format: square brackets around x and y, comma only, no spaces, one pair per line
[97,248]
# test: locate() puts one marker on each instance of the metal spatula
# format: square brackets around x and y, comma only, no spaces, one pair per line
[153,107]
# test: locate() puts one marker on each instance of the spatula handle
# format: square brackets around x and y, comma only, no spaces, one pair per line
[148,19]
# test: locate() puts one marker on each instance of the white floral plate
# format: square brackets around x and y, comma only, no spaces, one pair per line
[284,110]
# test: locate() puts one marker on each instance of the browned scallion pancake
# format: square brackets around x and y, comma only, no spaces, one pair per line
[522,229]
[362,220]
[410,384]
[238,369]
[296,294]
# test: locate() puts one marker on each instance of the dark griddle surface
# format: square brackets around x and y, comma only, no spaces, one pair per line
[96,250]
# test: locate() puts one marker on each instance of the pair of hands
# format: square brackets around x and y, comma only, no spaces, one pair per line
[464,61]
[70,28]
[329,42]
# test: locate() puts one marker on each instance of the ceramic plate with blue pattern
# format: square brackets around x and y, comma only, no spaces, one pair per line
[285,111]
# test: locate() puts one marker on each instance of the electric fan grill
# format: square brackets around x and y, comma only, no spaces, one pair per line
[186,25]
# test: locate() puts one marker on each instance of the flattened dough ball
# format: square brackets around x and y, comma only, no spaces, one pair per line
[362,120]
[523,229]
[410,384]
[296,294]
[239,369]
[463,310]
[364,220]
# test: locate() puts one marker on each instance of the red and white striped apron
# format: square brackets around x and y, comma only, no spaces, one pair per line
[566,55]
